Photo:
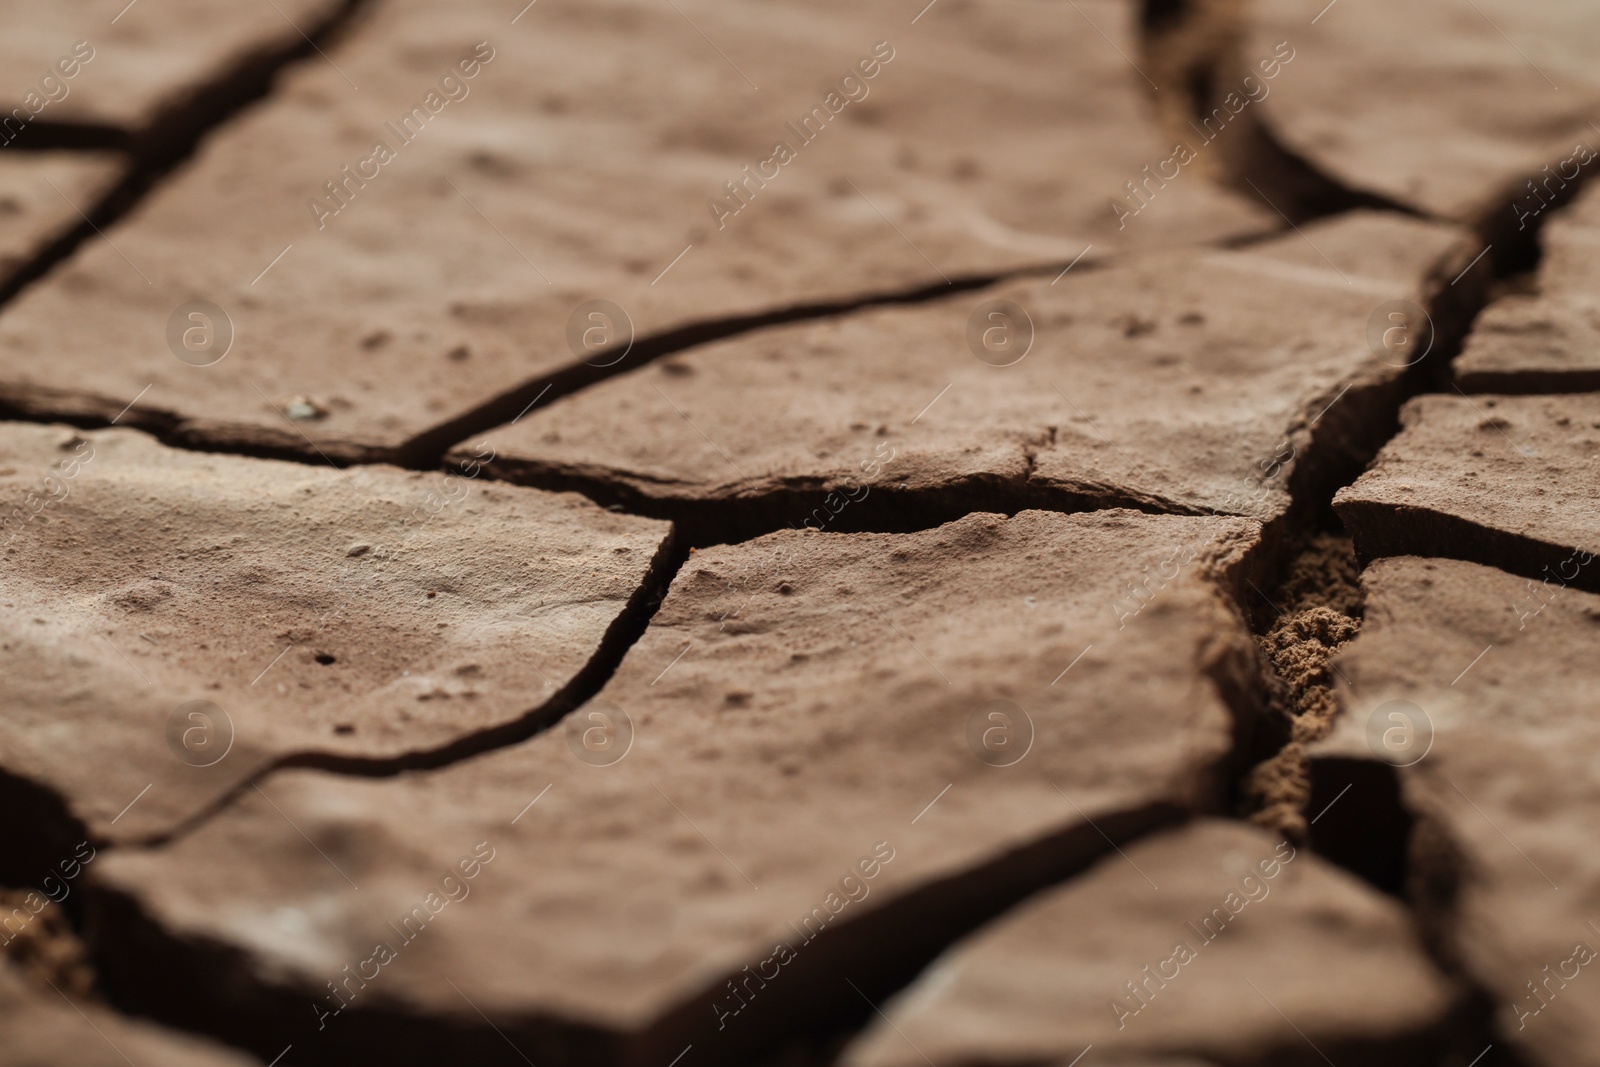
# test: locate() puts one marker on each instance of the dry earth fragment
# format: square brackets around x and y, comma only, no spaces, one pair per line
[1548,341]
[1188,381]
[124,65]
[1508,481]
[805,714]
[1192,943]
[363,614]
[1481,684]
[576,156]
[1451,108]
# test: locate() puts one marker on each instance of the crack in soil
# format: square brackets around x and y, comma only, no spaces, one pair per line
[1361,820]
[790,503]
[170,138]
[1195,48]
[50,135]
[427,449]
[200,985]
[1303,619]
[619,637]
[1320,611]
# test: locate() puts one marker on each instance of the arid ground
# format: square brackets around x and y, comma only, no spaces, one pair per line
[785,533]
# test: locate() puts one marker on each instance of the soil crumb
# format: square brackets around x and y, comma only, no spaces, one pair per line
[1322,602]
[42,945]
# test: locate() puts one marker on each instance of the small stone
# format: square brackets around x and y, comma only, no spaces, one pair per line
[304,408]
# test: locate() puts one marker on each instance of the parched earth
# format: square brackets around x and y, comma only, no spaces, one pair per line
[683,533]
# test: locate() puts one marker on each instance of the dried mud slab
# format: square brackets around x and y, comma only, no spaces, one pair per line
[109,63]
[546,164]
[1189,381]
[828,756]
[40,196]
[362,615]
[1216,940]
[1507,481]
[1549,341]
[1450,108]
[40,1027]
[1480,686]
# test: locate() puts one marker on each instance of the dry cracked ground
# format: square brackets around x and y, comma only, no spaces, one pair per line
[682,533]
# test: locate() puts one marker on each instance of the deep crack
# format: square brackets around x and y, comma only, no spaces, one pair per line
[1303,619]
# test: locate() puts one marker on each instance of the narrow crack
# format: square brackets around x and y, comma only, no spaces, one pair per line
[1531,382]
[1517,249]
[620,636]
[428,448]
[1302,620]
[1399,530]
[169,139]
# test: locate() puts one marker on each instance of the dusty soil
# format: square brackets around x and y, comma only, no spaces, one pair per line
[799,534]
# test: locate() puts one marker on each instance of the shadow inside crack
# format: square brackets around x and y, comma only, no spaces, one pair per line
[1194,49]
[827,994]
[46,135]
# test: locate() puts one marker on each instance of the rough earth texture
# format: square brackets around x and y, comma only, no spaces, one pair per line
[1213,938]
[1500,764]
[393,329]
[946,763]
[1546,341]
[717,534]
[1238,356]
[292,611]
[1504,480]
